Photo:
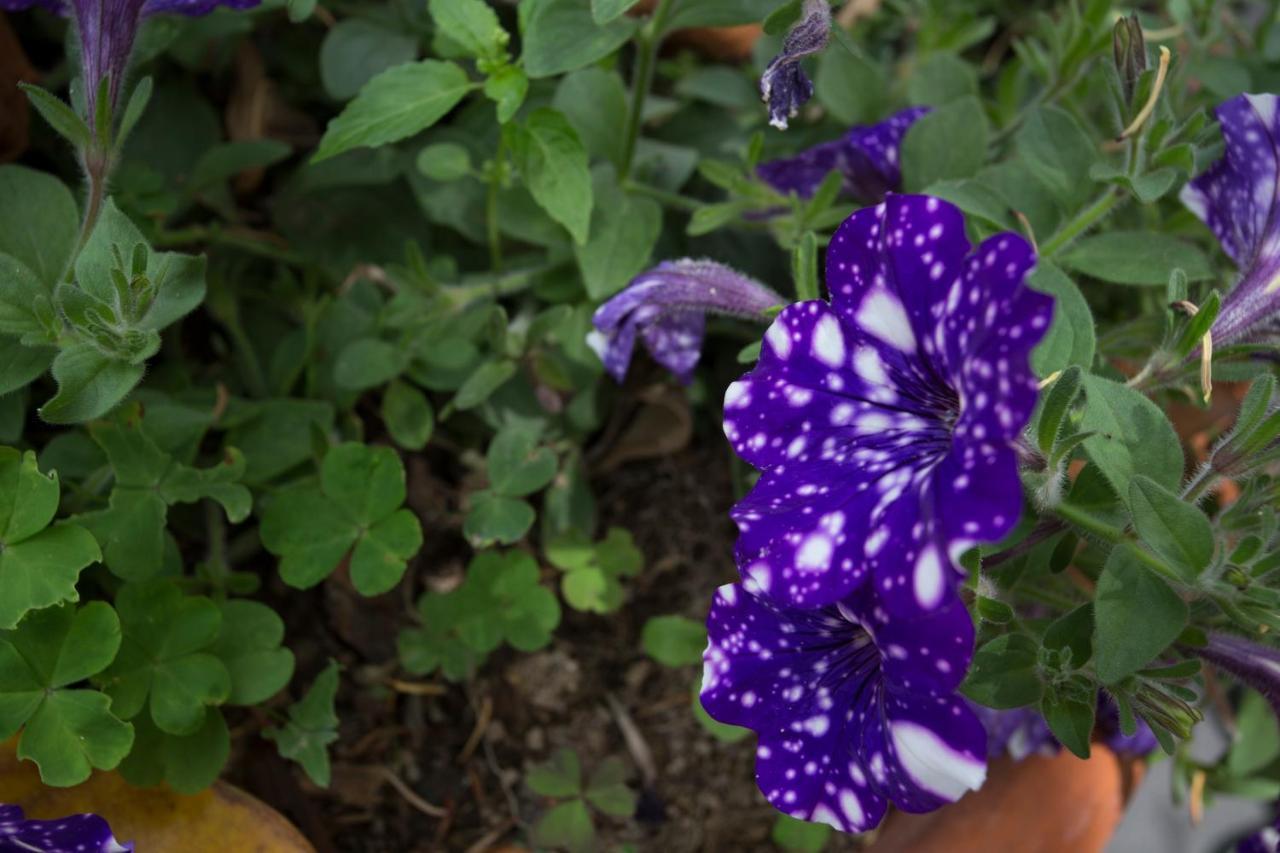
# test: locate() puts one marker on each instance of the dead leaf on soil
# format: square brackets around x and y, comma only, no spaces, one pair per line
[221,818]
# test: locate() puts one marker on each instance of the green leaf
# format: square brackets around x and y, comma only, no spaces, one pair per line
[163,658]
[553,165]
[90,384]
[1137,258]
[717,13]
[607,789]
[248,645]
[71,733]
[472,25]
[311,728]
[1176,530]
[569,826]
[503,599]
[1130,436]
[674,640]
[21,294]
[42,231]
[396,104]
[1136,616]
[800,836]
[408,415]
[1057,402]
[950,142]
[624,230]
[507,87]
[559,777]
[355,50]
[20,365]
[445,161]
[604,11]
[1255,742]
[1005,673]
[137,105]
[59,115]
[28,498]
[356,509]
[561,35]
[187,764]
[223,162]
[1059,153]
[1071,338]
[851,86]
[482,382]
[517,465]
[1074,631]
[939,79]
[369,362]
[438,643]
[1071,721]
[496,519]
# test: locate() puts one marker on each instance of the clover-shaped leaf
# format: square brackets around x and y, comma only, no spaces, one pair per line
[131,530]
[166,657]
[312,727]
[39,564]
[569,824]
[523,611]
[65,732]
[356,511]
[186,763]
[593,573]
[517,465]
[438,643]
[248,645]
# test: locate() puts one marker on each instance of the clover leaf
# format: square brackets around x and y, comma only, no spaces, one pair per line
[249,647]
[501,600]
[65,732]
[186,763]
[311,728]
[39,564]
[593,573]
[131,530]
[166,662]
[517,466]
[569,824]
[356,512]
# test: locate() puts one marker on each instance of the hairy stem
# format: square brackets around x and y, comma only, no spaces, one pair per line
[1082,222]
[648,41]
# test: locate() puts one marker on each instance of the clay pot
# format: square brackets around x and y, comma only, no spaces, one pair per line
[1038,805]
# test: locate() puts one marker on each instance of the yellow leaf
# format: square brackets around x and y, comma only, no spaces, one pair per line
[220,818]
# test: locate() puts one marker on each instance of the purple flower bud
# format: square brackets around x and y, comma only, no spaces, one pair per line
[107,30]
[867,156]
[1237,199]
[784,86]
[82,833]
[1256,665]
[667,308]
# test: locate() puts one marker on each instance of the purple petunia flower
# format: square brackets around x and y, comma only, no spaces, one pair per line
[82,833]
[784,86]
[667,307]
[1237,198]
[853,709]
[867,156]
[107,30]
[883,422]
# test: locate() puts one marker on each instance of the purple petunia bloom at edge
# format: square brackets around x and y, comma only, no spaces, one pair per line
[1239,199]
[883,422]
[867,156]
[667,307]
[82,833]
[784,86]
[1265,840]
[107,29]
[1022,732]
[854,709]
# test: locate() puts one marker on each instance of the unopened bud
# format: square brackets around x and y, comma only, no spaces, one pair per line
[1129,48]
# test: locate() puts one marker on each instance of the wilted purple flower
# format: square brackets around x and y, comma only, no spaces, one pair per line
[853,709]
[1253,663]
[667,307]
[867,156]
[107,30]
[1265,840]
[1021,732]
[1016,732]
[1238,199]
[82,833]
[784,85]
[883,422]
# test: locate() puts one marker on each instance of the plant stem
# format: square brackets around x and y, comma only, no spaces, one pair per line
[506,284]
[491,204]
[217,236]
[1109,532]
[1082,222]
[646,52]
[669,199]
[95,167]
